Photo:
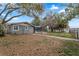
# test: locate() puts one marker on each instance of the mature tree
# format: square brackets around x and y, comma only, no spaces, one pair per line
[62,23]
[17,10]
[72,10]
[10,11]
[55,22]
[51,21]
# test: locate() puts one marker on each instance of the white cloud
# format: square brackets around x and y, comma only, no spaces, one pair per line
[54,7]
[63,10]
[74,23]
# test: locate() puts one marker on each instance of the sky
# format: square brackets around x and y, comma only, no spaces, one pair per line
[74,23]
[56,8]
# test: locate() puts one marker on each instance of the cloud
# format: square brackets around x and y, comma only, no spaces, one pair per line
[54,7]
[63,10]
[74,23]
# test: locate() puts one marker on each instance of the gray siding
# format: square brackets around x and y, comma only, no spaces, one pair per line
[21,30]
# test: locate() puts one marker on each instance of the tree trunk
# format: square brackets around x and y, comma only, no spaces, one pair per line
[52,29]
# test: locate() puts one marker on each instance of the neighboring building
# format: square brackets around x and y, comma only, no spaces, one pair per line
[38,29]
[20,28]
[66,30]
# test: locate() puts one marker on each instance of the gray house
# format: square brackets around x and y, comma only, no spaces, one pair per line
[20,28]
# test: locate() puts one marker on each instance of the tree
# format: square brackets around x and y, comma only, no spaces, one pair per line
[50,20]
[72,10]
[62,23]
[55,22]
[36,21]
[10,11]
[19,10]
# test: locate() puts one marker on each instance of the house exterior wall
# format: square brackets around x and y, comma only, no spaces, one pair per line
[21,29]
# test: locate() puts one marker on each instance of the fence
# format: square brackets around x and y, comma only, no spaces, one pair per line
[74,32]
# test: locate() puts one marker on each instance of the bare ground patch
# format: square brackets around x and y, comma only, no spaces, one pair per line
[32,45]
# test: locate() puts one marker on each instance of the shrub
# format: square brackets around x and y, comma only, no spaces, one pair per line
[1,30]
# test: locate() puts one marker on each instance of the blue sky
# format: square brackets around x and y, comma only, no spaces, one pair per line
[56,8]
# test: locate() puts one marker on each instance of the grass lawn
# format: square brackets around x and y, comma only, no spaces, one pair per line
[61,34]
[71,48]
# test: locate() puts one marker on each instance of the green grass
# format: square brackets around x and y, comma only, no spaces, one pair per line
[61,34]
[71,48]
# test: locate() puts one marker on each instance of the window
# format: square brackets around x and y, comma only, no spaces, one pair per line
[15,27]
[26,28]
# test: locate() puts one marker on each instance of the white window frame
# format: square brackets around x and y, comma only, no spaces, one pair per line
[15,29]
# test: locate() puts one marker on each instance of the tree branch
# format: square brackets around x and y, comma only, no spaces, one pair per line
[13,17]
[4,9]
[10,11]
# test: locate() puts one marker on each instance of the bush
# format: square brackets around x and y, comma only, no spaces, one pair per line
[1,33]
[1,30]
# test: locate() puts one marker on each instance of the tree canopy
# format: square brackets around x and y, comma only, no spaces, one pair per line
[36,21]
[12,10]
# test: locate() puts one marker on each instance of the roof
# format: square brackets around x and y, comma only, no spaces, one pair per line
[21,23]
